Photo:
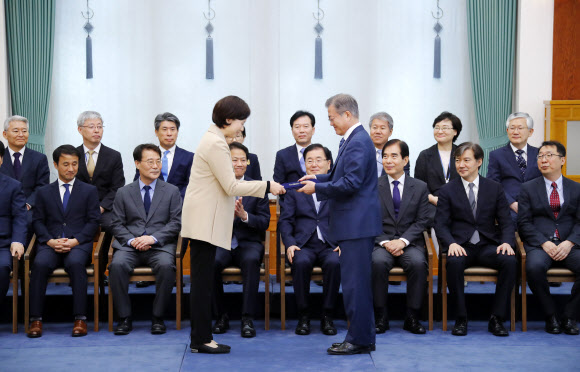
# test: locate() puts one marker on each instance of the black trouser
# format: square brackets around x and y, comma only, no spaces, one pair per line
[202,267]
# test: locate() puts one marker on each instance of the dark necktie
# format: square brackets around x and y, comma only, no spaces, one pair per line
[17,166]
[65,199]
[521,162]
[341,143]
[396,198]
[302,164]
[555,204]
[475,237]
[147,199]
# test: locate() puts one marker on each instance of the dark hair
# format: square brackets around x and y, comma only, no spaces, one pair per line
[315,146]
[2,149]
[559,147]
[298,114]
[477,150]
[402,146]
[138,152]
[64,150]
[230,107]
[239,146]
[455,122]
[166,116]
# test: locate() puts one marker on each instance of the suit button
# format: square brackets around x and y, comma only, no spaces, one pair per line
[64,224]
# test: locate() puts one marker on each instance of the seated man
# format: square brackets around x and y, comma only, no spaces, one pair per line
[13,223]
[405,212]
[465,222]
[304,226]
[66,218]
[549,225]
[251,220]
[146,225]
[253,171]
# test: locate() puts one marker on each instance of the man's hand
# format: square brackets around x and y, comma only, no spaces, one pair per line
[28,206]
[514,206]
[337,249]
[17,249]
[307,177]
[143,243]
[70,243]
[309,187]
[550,248]
[58,245]
[290,252]
[395,247]
[456,250]
[102,210]
[562,250]
[505,248]
[433,199]
[239,210]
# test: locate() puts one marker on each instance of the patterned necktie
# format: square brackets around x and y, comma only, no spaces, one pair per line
[475,237]
[165,165]
[341,143]
[147,199]
[91,164]
[396,198]
[521,162]
[379,162]
[302,164]
[555,204]
[17,166]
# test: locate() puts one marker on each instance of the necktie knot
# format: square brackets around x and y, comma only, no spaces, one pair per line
[91,152]
[166,152]
[471,185]
[66,186]
[554,186]
[17,155]
[147,188]
[302,151]
[396,183]
[519,152]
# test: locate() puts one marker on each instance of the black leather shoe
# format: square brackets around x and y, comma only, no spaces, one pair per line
[303,327]
[382,324]
[221,325]
[220,349]
[143,284]
[570,327]
[553,325]
[327,326]
[496,327]
[346,348]
[248,330]
[158,326]
[460,328]
[124,326]
[413,325]
[372,346]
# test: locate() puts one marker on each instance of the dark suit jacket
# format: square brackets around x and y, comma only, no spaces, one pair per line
[429,170]
[80,220]
[536,222]
[454,221]
[287,165]
[503,168]
[163,221]
[258,219]
[253,170]
[108,175]
[414,214]
[34,172]
[13,219]
[298,220]
[351,189]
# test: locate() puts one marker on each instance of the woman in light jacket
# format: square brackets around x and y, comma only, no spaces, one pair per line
[208,212]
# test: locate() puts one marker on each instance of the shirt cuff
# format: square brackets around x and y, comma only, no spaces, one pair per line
[247,219]
[405,241]
[154,238]
[383,242]
[17,243]
[130,241]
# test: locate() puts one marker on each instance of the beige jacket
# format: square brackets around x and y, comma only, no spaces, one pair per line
[208,206]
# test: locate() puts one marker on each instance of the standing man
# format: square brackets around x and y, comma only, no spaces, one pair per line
[100,165]
[549,225]
[509,165]
[355,219]
[381,128]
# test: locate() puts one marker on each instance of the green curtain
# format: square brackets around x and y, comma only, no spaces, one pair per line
[30,44]
[491,26]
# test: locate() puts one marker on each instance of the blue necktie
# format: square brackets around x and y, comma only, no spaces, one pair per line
[65,199]
[341,143]
[17,166]
[302,164]
[165,165]
[521,162]
[396,198]
[147,199]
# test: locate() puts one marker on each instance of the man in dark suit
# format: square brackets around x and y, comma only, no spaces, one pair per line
[381,129]
[549,225]
[351,191]
[251,220]
[509,165]
[66,218]
[405,215]
[304,229]
[146,225]
[465,223]
[100,165]
[22,163]
[13,225]
[253,169]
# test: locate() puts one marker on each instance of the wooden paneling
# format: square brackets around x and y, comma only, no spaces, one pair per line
[566,54]
[557,115]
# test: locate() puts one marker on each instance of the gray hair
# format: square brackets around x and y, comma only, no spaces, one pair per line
[14,118]
[343,103]
[515,115]
[86,115]
[384,117]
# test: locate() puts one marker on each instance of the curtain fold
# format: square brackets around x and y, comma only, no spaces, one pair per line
[30,45]
[491,27]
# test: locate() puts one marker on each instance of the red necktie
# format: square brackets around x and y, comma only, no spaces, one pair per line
[555,204]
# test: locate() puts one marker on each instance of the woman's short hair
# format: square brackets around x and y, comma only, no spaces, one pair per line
[455,122]
[230,107]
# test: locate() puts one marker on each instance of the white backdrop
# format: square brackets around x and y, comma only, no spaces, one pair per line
[149,57]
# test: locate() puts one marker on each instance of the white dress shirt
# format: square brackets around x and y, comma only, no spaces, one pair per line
[559,188]
[475,188]
[525,150]
[62,189]
[317,205]
[11,152]
[380,168]
[298,150]
[350,130]
[95,153]
[400,186]
[170,156]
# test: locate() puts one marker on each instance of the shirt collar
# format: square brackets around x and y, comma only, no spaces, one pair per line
[401,179]
[97,149]
[60,182]
[350,130]
[558,183]
[475,182]
[171,150]
[514,149]
[11,152]
[141,184]
[299,148]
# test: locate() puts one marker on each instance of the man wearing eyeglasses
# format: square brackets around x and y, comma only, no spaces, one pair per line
[549,226]
[515,163]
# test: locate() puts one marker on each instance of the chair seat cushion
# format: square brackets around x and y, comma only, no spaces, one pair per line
[60,271]
[397,271]
[480,270]
[233,270]
[560,271]
[142,270]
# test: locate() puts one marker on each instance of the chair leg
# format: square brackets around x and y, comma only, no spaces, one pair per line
[513,310]
[282,297]
[26,297]
[444,297]
[267,299]
[15,303]
[110,308]
[96,300]
[178,294]
[430,300]
[524,303]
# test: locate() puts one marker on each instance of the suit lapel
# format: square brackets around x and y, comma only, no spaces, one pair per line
[460,190]
[157,196]
[26,162]
[386,197]
[511,159]
[56,196]
[294,160]
[3,182]
[341,150]
[83,164]
[543,196]
[75,195]
[436,163]
[136,195]
[101,161]
[176,160]
[567,196]
[408,194]
[311,203]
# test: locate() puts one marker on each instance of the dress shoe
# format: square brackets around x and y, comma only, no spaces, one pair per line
[460,327]
[553,325]
[220,349]
[327,326]
[372,346]
[124,326]
[248,330]
[495,326]
[80,328]
[143,284]
[570,327]
[346,348]
[382,324]
[221,325]
[303,327]
[158,326]
[35,329]
[413,325]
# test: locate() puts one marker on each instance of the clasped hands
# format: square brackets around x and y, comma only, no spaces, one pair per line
[457,250]
[558,252]
[143,243]
[395,247]
[62,245]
